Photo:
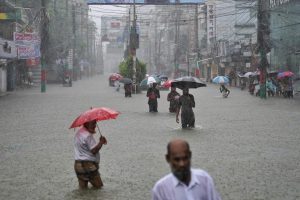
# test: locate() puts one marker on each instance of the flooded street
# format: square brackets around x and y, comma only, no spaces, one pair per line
[248,145]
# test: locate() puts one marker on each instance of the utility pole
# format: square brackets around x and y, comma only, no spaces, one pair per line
[177,28]
[134,46]
[87,35]
[196,50]
[263,40]
[74,41]
[44,32]
[81,21]
[188,49]
[155,43]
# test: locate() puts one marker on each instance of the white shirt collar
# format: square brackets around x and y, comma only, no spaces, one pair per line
[193,181]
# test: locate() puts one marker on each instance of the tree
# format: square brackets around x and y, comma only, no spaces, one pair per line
[126,69]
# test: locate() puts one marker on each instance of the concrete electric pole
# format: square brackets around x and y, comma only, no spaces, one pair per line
[44,32]
[263,40]
[134,43]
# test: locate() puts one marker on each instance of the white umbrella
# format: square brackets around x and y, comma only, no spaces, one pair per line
[151,80]
[249,74]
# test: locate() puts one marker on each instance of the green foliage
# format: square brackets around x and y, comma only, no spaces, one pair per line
[61,31]
[126,69]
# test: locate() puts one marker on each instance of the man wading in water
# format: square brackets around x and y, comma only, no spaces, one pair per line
[186,104]
[87,156]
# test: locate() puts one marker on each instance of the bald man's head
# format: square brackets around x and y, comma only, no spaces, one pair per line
[177,143]
[179,159]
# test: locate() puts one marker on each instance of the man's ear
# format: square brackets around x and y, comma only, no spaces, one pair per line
[190,154]
[167,158]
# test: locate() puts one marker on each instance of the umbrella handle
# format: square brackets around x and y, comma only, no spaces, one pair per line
[99,130]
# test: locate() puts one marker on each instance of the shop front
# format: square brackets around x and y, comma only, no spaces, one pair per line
[8,54]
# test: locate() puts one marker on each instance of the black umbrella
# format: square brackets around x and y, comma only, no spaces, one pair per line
[187,82]
[163,77]
[126,81]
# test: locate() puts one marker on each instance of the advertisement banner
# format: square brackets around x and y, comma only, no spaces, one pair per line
[28,45]
[149,2]
[27,52]
[26,38]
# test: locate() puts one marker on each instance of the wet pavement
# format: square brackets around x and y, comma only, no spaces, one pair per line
[249,146]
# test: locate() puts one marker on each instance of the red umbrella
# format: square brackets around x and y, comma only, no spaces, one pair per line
[115,76]
[167,84]
[98,114]
[285,74]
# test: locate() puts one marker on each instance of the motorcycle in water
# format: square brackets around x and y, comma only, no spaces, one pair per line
[225,94]
[224,91]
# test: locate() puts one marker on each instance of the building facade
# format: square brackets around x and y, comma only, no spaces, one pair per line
[112,29]
[285,35]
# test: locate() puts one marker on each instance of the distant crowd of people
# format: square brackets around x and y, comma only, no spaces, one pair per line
[274,87]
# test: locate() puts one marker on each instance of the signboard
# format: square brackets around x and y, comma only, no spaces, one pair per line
[28,45]
[25,52]
[70,59]
[29,51]
[150,2]
[26,38]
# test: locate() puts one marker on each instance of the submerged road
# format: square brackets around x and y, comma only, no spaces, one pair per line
[248,145]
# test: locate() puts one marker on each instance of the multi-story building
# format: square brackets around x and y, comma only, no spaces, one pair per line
[12,20]
[112,28]
[285,35]
[230,34]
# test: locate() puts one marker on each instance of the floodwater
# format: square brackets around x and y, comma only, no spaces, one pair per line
[248,145]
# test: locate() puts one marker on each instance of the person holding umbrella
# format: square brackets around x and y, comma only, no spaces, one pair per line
[224,90]
[153,94]
[186,104]
[186,101]
[222,80]
[87,156]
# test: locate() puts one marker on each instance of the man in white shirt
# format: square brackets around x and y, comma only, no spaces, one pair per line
[183,183]
[87,156]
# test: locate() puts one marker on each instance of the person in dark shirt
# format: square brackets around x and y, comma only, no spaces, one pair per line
[173,97]
[128,89]
[153,94]
[186,105]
